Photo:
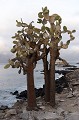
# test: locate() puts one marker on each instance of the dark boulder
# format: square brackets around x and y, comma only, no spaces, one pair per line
[14,93]
[3,107]
[22,95]
[61,83]
[59,89]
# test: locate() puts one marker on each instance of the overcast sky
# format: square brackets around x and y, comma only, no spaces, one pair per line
[12,10]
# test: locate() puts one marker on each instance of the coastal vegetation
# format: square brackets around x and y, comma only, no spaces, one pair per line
[32,44]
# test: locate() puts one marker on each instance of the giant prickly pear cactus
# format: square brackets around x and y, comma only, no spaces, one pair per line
[32,44]
[52,34]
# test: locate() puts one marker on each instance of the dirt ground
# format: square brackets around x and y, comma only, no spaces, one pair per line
[66,103]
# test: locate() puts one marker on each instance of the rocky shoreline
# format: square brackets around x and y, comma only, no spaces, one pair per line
[66,108]
[61,83]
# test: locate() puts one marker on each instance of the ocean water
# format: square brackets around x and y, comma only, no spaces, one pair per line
[11,81]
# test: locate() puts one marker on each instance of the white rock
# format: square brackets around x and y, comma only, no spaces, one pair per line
[73,116]
[76,93]
[60,111]
[24,116]
[61,100]
[42,107]
[2,115]
[13,119]
[47,116]
[11,112]
[70,95]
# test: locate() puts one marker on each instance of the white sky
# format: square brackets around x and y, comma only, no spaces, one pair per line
[10,10]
